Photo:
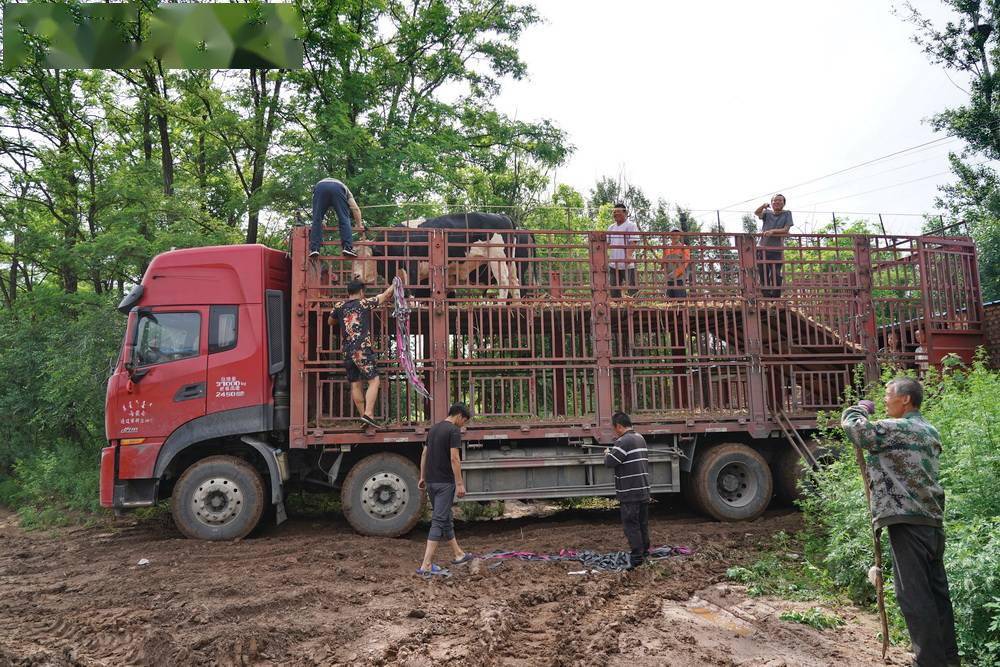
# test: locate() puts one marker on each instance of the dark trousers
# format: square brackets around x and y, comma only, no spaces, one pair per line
[325,195]
[922,592]
[442,496]
[620,278]
[635,521]
[770,264]
[675,289]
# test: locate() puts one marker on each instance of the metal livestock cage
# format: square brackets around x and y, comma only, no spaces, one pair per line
[541,346]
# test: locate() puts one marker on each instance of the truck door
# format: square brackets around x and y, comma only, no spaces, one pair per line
[168,386]
[235,345]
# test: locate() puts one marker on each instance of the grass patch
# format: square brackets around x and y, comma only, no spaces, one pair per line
[814,618]
[588,503]
[477,511]
[783,572]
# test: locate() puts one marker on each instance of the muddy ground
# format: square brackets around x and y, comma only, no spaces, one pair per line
[312,592]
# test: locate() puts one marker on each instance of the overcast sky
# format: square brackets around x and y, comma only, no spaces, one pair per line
[710,104]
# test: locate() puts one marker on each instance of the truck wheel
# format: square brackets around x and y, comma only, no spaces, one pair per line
[380,495]
[731,482]
[218,498]
[789,470]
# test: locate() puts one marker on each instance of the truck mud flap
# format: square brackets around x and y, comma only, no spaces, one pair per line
[131,493]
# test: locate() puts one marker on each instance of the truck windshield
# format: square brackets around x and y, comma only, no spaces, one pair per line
[167,337]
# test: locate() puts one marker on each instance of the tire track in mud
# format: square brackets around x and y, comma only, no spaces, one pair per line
[98,638]
[544,627]
[313,593]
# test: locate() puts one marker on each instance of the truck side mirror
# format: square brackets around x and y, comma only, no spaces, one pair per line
[136,374]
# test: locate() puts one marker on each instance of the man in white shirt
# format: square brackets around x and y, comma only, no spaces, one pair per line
[621,252]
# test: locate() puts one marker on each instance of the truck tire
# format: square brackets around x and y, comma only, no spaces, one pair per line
[380,495]
[218,498]
[731,482]
[789,469]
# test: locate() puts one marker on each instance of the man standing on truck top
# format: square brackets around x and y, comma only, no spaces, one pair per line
[902,459]
[333,193]
[629,456]
[355,319]
[441,475]
[621,252]
[776,223]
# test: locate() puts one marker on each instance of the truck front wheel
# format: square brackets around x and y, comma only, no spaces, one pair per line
[731,482]
[218,498]
[380,495]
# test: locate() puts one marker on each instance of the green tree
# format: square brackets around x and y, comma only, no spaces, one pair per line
[608,192]
[968,44]
[396,99]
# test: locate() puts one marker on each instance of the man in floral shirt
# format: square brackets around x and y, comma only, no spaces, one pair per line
[355,319]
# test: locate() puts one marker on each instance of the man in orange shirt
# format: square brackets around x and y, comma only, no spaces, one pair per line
[676,258]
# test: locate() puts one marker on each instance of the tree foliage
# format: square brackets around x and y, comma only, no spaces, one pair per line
[969,44]
[102,170]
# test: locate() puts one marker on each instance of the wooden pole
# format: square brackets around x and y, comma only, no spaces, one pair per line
[877,544]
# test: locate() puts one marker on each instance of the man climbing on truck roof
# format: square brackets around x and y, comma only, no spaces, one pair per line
[328,193]
[355,319]
[629,456]
[441,476]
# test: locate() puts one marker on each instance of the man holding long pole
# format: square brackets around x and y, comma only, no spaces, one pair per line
[906,498]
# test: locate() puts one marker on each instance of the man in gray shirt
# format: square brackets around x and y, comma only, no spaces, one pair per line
[770,255]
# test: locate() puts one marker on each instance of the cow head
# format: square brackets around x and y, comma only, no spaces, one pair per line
[364,266]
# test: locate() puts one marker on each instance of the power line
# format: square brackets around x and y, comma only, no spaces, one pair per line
[863,178]
[946,139]
[846,169]
[887,187]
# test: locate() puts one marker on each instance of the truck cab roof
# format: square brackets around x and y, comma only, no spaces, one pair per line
[212,275]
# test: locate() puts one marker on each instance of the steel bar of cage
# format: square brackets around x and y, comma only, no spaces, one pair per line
[560,351]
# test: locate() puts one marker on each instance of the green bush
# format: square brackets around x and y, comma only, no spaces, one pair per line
[963,404]
[54,357]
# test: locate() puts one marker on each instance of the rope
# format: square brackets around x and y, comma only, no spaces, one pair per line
[614,561]
[401,311]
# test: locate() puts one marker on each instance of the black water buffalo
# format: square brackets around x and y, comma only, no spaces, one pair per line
[476,242]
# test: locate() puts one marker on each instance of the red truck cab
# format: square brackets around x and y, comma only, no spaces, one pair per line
[203,362]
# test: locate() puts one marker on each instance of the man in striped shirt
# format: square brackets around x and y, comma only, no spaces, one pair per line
[628,456]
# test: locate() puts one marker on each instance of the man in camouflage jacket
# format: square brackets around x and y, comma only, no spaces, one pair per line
[902,458]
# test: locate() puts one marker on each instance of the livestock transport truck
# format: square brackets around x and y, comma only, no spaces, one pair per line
[229,390]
